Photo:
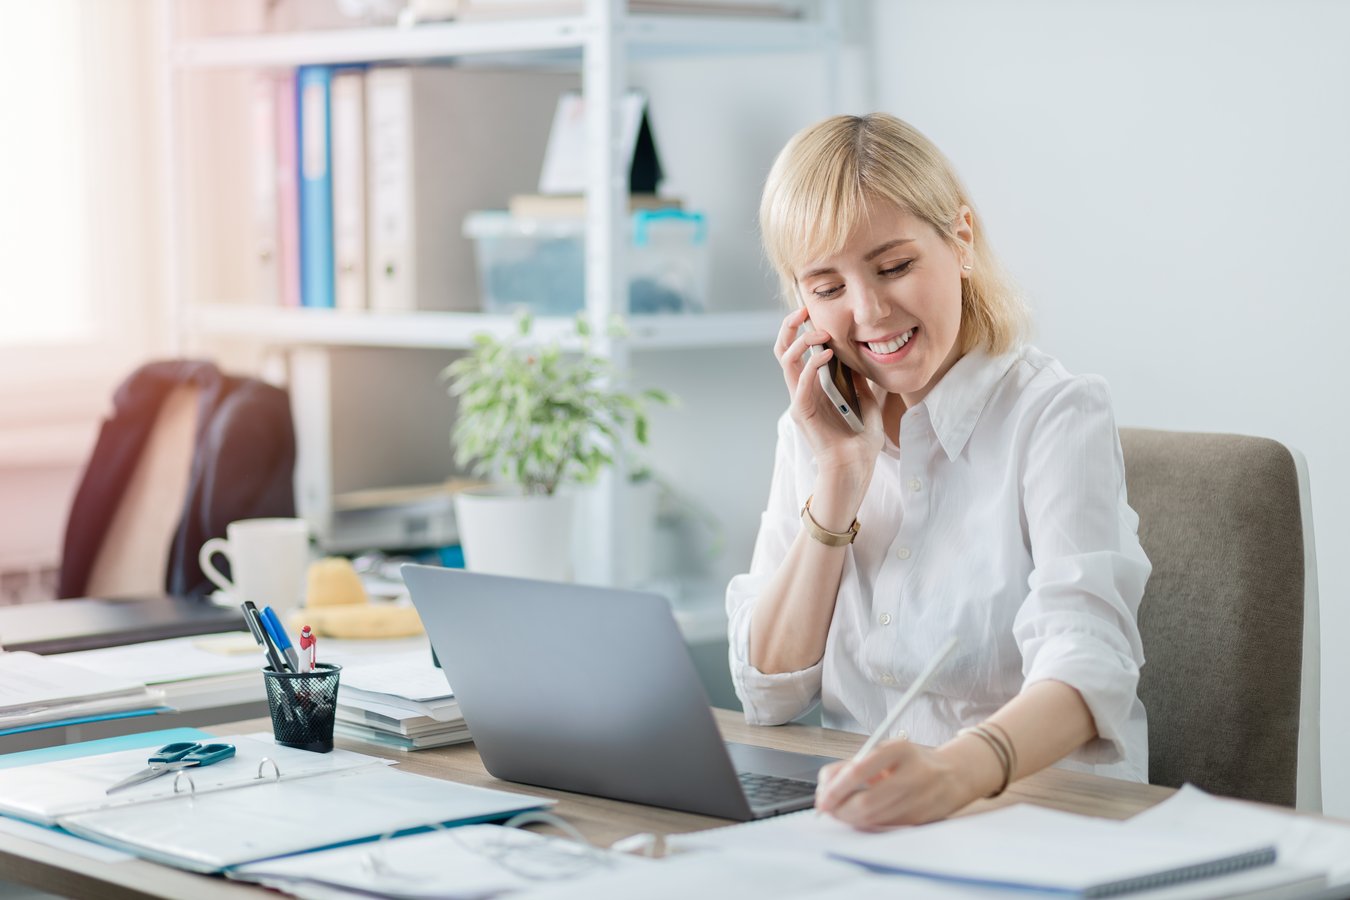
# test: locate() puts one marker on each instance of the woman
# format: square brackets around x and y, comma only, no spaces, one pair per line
[983,499]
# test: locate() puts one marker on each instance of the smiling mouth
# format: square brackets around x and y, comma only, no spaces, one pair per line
[885,348]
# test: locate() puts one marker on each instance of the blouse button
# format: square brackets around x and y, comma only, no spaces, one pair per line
[885,619]
[902,553]
[887,678]
[915,484]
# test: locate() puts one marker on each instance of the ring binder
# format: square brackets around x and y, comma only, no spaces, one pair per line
[276,770]
[533,860]
[192,785]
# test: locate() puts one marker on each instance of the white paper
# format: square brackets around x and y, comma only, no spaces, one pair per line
[412,679]
[1301,841]
[1044,848]
[466,862]
[29,682]
[44,792]
[803,831]
[160,662]
[745,875]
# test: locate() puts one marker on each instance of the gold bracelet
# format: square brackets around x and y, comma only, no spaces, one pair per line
[826,537]
[999,751]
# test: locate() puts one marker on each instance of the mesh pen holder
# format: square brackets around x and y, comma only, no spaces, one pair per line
[303,706]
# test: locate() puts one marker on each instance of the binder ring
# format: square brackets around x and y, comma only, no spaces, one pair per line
[276,770]
[376,864]
[192,787]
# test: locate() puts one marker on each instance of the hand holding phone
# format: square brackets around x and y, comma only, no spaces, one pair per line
[836,379]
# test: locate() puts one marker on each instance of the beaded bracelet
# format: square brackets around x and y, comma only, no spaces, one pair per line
[1003,753]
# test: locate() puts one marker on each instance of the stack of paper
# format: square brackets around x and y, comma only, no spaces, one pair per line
[405,704]
[38,691]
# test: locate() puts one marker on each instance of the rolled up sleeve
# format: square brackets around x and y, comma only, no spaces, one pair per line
[781,697]
[1079,622]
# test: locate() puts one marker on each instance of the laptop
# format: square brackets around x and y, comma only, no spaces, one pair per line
[592,690]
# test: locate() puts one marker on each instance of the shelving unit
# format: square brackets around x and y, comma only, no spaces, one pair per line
[602,42]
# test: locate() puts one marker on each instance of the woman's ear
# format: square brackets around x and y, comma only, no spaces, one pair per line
[963,230]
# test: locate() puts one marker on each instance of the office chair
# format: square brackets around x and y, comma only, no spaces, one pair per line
[1229,619]
[186,450]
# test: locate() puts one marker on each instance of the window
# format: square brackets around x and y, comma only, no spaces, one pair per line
[44,283]
[79,210]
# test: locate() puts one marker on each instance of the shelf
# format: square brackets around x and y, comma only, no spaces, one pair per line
[455,330]
[644,36]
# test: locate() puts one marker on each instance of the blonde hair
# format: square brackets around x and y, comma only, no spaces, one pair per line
[818,191]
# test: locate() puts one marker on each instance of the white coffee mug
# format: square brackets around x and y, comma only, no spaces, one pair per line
[268,559]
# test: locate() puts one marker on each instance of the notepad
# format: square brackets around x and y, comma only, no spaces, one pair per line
[1035,848]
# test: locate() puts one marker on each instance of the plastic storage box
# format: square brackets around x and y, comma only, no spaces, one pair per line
[539,264]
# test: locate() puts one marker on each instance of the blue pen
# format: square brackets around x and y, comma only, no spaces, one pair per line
[281,638]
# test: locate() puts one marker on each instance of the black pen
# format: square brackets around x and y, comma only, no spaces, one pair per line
[255,625]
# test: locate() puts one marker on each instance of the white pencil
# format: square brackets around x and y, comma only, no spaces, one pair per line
[919,684]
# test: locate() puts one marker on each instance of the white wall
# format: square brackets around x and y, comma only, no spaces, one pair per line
[1167,181]
[719,122]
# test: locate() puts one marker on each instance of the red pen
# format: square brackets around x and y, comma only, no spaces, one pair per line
[307,647]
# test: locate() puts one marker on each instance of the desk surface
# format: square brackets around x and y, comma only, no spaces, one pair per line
[602,821]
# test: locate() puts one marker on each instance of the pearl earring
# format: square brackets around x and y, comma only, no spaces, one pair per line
[967,268]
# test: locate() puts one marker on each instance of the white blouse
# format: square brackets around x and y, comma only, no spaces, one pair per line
[1000,519]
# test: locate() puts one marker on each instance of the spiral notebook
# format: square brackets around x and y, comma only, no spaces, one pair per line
[1034,848]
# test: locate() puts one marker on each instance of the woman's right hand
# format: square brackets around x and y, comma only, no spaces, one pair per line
[837,448]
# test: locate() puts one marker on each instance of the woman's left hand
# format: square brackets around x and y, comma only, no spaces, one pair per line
[898,783]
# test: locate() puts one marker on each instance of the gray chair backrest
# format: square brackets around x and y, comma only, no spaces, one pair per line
[1222,617]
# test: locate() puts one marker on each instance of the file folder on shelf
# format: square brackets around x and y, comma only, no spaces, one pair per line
[313,84]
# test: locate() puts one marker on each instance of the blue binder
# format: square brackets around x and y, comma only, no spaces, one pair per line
[313,85]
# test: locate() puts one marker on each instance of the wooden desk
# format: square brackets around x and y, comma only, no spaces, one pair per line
[602,821]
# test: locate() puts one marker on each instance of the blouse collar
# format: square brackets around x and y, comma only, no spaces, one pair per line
[955,403]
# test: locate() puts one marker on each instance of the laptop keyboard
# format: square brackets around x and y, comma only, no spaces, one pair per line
[767,790]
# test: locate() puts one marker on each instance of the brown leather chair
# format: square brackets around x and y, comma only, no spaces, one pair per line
[1229,618]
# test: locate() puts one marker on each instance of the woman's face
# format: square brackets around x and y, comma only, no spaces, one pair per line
[890,300]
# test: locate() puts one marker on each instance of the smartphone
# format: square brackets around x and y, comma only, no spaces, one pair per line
[836,379]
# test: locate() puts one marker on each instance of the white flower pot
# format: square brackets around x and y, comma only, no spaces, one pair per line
[640,506]
[504,532]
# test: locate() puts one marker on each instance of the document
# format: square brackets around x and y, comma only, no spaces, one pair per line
[161,662]
[39,689]
[467,862]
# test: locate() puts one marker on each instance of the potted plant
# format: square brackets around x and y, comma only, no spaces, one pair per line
[537,419]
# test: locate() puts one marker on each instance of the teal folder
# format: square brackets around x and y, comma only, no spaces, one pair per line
[103,745]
